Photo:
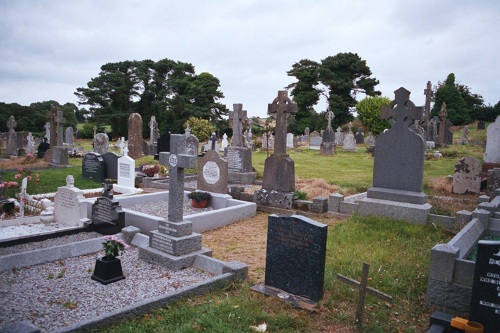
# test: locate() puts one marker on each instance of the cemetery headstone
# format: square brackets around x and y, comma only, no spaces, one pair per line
[307,131]
[304,240]
[328,146]
[467,177]
[399,155]
[69,209]
[442,125]
[60,121]
[174,244]
[42,148]
[192,145]
[101,143]
[349,143]
[448,134]
[59,156]
[11,137]
[485,301]
[163,145]
[224,142]
[47,130]
[315,142]
[126,175]
[464,140]
[239,158]
[493,181]
[68,135]
[492,153]
[93,167]
[428,126]
[213,173]
[107,216]
[30,144]
[433,132]
[153,125]
[53,128]
[360,137]
[135,135]
[146,147]
[111,165]
[370,140]
[480,125]
[289,140]
[213,140]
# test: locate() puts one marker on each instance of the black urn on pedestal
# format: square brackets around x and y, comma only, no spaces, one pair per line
[108,270]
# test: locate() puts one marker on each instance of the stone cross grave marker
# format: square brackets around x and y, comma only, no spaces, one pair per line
[60,121]
[11,137]
[47,130]
[363,290]
[442,125]
[282,106]
[153,125]
[299,280]
[53,128]
[238,118]
[428,97]
[178,160]
[485,300]
[434,126]
[23,196]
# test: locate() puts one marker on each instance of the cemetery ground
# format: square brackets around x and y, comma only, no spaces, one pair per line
[397,252]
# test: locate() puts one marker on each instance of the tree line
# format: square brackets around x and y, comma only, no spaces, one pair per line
[173,92]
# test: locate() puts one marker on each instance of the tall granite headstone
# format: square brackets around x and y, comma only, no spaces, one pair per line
[135,135]
[398,170]
[485,301]
[162,145]
[11,137]
[111,165]
[295,258]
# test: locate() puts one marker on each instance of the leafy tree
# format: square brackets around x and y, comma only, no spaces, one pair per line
[305,93]
[201,128]
[455,105]
[339,78]
[486,113]
[369,113]
[167,89]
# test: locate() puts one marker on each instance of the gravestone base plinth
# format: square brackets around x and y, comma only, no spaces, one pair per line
[295,300]
[125,189]
[274,198]
[409,212]
[390,194]
[175,246]
[241,177]
[175,263]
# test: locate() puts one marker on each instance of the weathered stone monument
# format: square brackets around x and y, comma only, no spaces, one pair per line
[279,169]
[427,125]
[192,145]
[339,136]
[328,146]
[398,170]
[212,173]
[59,153]
[442,125]
[299,280]
[467,176]
[464,139]
[69,207]
[101,143]
[68,136]
[11,137]
[349,143]
[370,140]
[135,135]
[491,157]
[239,158]
[174,245]
[30,144]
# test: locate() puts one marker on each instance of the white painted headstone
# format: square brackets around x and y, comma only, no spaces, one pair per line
[289,140]
[69,207]
[224,143]
[126,175]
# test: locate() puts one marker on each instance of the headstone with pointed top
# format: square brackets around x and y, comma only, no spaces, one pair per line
[398,170]
[126,175]
[68,135]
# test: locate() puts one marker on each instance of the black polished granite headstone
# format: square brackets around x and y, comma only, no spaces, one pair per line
[93,167]
[107,216]
[295,257]
[485,301]
[162,145]
[111,165]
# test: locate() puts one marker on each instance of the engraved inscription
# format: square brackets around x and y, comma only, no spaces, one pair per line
[234,162]
[124,170]
[211,172]
[66,199]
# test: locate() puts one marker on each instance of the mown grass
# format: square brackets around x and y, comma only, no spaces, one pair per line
[399,257]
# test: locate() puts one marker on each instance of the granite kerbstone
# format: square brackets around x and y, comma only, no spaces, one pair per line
[442,263]
[467,237]
[175,246]
[413,213]
[446,222]
[319,205]
[334,200]
[346,207]
[274,198]
[129,233]
[448,296]
[19,327]
[482,215]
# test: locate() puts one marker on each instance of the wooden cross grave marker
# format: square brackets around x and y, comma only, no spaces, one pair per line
[363,289]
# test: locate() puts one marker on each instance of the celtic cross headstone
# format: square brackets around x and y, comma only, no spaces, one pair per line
[282,106]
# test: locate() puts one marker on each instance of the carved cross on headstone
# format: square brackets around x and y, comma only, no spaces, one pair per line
[282,106]
[350,126]
[178,160]
[442,124]
[238,118]
[60,120]
[402,109]
[330,116]
[428,96]
[363,289]
[435,122]
[152,126]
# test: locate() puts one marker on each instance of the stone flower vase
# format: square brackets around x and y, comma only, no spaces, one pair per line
[108,270]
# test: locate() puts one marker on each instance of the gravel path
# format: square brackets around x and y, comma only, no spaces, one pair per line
[58,294]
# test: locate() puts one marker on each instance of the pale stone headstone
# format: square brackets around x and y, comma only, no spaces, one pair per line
[238,119]
[339,136]
[192,145]
[289,140]
[315,142]
[349,143]
[224,142]
[126,175]
[464,140]
[213,173]
[30,144]
[492,152]
[69,209]
[153,126]
[328,146]
[68,135]
[307,131]
[467,176]
[427,111]
[135,135]
[370,140]
[101,143]
[47,130]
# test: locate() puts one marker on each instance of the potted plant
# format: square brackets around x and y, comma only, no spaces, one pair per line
[199,199]
[108,269]
[150,169]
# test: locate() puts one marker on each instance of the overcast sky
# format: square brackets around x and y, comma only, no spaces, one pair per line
[50,48]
